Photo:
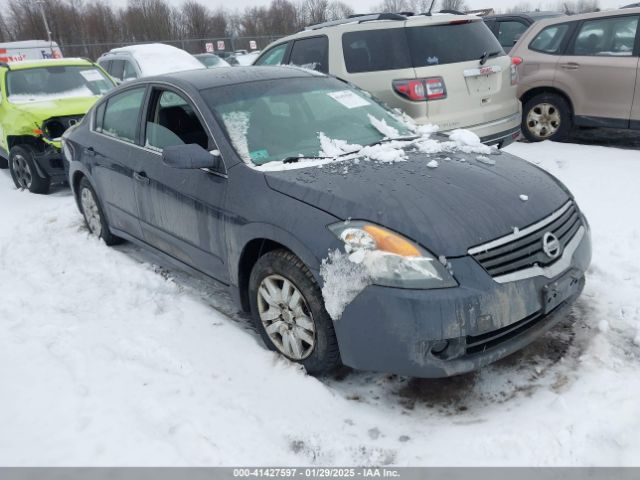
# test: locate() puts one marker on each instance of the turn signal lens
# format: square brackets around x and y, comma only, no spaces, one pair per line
[390,242]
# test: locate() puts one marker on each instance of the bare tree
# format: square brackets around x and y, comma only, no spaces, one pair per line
[459,5]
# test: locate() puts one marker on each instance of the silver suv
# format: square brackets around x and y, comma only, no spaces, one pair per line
[444,69]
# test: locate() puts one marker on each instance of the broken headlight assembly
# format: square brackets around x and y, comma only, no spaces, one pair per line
[391,259]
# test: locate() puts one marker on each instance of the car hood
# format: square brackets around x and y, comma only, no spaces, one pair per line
[41,110]
[460,203]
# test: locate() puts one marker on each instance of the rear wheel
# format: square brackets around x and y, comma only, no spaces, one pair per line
[23,170]
[93,214]
[288,311]
[546,116]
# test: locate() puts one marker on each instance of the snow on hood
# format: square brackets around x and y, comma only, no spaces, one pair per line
[79,92]
[158,58]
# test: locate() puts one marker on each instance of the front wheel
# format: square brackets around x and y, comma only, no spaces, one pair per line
[23,170]
[546,116]
[93,215]
[288,311]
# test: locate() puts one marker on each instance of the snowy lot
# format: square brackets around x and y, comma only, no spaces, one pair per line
[108,359]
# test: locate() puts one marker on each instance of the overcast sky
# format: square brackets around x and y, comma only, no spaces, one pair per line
[365,5]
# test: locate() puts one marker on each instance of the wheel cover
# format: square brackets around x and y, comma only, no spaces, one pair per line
[286,317]
[543,120]
[22,171]
[90,211]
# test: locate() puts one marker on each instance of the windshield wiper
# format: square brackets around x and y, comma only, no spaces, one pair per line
[397,139]
[486,56]
[304,157]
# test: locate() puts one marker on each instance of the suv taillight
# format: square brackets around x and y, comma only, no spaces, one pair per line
[420,89]
[515,61]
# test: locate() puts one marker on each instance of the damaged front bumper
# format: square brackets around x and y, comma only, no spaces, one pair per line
[50,163]
[450,331]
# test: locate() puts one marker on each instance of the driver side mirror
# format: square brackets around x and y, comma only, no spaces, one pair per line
[191,156]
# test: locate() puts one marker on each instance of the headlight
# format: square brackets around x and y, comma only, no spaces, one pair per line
[391,259]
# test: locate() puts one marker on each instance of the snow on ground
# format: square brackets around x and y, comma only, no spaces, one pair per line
[108,359]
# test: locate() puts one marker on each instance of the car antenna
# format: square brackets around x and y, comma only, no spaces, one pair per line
[433,2]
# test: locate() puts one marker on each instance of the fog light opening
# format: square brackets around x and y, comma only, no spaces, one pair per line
[439,347]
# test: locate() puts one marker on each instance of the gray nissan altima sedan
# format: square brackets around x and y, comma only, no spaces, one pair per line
[348,236]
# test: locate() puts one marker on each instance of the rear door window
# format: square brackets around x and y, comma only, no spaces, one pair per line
[311,53]
[376,50]
[609,37]
[549,40]
[121,115]
[451,43]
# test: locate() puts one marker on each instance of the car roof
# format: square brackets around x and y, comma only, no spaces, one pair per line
[585,16]
[206,78]
[531,15]
[62,62]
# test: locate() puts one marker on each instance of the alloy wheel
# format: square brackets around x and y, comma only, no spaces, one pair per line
[286,317]
[22,171]
[543,120]
[91,211]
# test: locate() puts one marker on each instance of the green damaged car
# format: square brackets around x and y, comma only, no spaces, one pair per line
[39,101]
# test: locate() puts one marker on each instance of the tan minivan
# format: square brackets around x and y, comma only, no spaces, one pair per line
[443,69]
[581,70]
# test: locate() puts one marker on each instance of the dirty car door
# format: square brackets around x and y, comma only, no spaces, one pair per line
[112,155]
[180,209]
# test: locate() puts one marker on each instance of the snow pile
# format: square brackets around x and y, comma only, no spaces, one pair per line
[383,127]
[343,280]
[468,142]
[159,58]
[82,91]
[331,148]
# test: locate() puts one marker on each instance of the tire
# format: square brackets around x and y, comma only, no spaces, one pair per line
[4,163]
[93,214]
[22,166]
[556,120]
[307,320]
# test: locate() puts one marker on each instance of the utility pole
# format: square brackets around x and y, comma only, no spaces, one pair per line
[44,19]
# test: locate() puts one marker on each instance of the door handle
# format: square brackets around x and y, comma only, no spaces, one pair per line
[90,151]
[570,66]
[141,177]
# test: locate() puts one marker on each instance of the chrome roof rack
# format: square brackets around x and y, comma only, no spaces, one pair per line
[359,18]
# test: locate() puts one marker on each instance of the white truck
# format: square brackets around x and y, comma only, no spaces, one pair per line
[29,50]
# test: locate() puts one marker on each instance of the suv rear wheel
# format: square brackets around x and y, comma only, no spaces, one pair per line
[23,170]
[288,311]
[546,116]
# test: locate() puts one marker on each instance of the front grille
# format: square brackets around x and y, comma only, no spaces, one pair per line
[516,252]
[486,341]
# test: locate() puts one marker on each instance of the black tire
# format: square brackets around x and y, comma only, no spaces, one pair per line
[96,221]
[325,355]
[23,170]
[4,163]
[547,104]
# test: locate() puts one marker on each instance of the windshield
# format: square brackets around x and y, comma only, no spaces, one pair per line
[46,83]
[282,119]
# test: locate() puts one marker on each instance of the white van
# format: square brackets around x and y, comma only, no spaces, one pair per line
[29,50]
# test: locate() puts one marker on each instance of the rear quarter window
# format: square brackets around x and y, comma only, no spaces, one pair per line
[550,39]
[375,50]
[450,43]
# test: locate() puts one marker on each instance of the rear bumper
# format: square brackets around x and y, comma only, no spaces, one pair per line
[440,333]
